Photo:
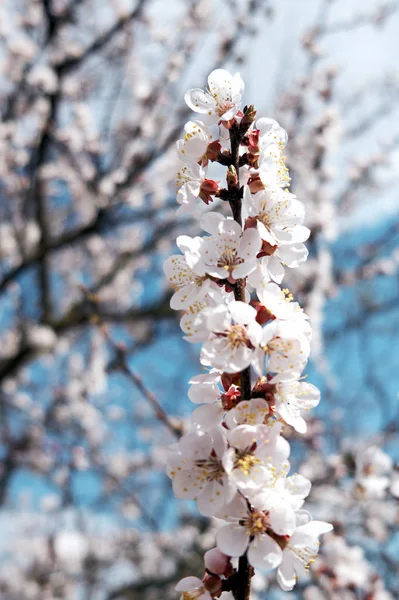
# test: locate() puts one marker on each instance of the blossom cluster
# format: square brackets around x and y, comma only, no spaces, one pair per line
[255,343]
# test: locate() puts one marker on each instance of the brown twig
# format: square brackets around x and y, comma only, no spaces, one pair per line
[241,580]
[120,363]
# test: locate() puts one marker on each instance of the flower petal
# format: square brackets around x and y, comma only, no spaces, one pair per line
[232,539]
[286,574]
[211,499]
[264,553]
[207,416]
[200,102]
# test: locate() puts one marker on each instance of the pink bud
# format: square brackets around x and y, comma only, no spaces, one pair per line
[209,187]
[213,584]
[229,400]
[216,562]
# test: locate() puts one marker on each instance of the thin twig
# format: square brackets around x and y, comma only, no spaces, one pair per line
[120,363]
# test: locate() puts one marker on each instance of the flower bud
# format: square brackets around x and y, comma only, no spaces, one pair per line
[231,177]
[213,150]
[216,562]
[209,187]
[248,117]
[213,584]
[229,400]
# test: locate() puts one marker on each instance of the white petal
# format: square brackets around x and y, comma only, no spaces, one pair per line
[211,378]
[242,313]
[243,436]
[210,222]
[250,244]
[237,86]
[204,394]
[244,269]
[282,517]
[219,440]
[258,361]
[185,297]
[239,360]
[199,101]
[286,577]
[298,485]
[207,416]
[195,445]
[185,485]
[219,319]
[293,255]
[265,234]
[211,499]
[236,509]
[314,528]
[264,553]
[220,83]
[276,269]
[232,539]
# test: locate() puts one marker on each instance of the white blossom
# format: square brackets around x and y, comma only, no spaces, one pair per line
[248,530]
[248,412]
[291,398]
[197,471]
[272,139]
[279,302]
[192,148]
[189,286]
[221,101]
[205,390]
[188,186]
[228,252]
[285,345]
[256,457]
[373,469]
[194,322]
[234,335]
[300,552]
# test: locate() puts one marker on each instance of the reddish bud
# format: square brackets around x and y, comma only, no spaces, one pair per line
[251,140]
[213,150]
[209,187]
[263,315]
[231,398]
[213,584]
[248,117]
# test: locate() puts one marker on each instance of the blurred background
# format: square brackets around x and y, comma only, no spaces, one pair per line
[93,368]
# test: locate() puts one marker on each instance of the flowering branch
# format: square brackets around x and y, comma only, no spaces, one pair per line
[234,462]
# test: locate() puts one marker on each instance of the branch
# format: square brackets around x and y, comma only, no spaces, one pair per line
[98,44]
[120,363]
